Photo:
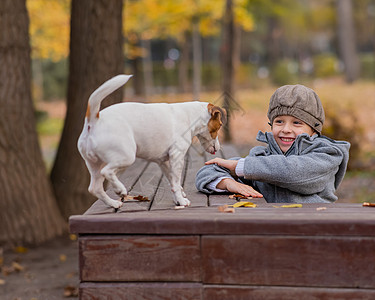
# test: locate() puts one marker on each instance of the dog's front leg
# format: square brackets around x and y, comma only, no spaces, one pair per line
[174,169]
[166,168]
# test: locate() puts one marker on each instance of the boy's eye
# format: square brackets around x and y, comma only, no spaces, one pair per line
[278,121]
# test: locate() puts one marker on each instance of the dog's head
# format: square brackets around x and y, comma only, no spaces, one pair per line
[208,137]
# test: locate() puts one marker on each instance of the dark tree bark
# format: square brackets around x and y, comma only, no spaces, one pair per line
[28,210]
[95,56]
[183,66]
[347,40]
[228,55]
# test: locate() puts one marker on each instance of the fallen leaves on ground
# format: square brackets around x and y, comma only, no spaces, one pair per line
[14,267]
[70,291]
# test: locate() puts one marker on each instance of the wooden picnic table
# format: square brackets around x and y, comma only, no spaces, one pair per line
[149,250]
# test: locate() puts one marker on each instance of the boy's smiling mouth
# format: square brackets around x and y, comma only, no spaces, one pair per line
[286,140]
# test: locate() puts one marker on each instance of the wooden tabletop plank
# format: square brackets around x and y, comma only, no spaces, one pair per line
[336,219]
[146,186]
[164,197]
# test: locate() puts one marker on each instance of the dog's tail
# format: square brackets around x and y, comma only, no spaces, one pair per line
[101,92]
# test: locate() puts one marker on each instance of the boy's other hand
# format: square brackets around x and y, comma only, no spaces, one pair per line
[238,188]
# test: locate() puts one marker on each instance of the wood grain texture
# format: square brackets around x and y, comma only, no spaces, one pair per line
[215,292]
[141,291]
[140,258]
[289,261]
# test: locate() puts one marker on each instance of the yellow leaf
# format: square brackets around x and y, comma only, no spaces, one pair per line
[62,257]
[20,249]
[289,206]
[243,204]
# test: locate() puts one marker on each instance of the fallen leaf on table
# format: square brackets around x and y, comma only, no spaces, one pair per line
[321,208]
[368,204]
[2,281]
[226,209]
[239,196]
[243,204]
[138,198]
[289,206]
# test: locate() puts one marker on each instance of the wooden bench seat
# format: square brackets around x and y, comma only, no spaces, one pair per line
[149,250]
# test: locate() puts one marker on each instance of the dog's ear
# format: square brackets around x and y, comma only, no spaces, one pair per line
[217,113]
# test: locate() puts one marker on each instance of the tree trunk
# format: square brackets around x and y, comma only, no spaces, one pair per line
[28,211]
[183,67]
[347,40]
[197,60]
[228,63]
[95,56]
[148,70]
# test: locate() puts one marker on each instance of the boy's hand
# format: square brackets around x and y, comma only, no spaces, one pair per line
[229,164]
[238,188]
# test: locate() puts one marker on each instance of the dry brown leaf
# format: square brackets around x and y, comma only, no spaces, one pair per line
[239,197]
[321,208]
[138,198]
[17,267]
[62,257]
[368,204]
[226,209]
[70,291]
[2,281]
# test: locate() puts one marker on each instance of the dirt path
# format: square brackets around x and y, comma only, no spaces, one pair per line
[42,273]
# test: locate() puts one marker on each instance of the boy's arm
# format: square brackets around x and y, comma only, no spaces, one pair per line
[304,174]
[226,182]
[209,174]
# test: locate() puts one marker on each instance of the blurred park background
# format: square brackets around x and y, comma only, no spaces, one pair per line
[233,53]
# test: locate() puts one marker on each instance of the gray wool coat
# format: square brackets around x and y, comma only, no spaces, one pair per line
[309,172]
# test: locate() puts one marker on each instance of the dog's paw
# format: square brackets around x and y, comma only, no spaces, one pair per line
[116,204]
[184,202]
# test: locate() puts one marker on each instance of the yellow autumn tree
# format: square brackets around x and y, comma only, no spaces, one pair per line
[159,19]
[49,28]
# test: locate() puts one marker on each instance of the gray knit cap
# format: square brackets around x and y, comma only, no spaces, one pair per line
[298,101]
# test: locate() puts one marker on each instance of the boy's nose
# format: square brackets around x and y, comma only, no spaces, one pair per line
[287,128]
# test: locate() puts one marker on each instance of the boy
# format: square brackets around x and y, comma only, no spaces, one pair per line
[298,164]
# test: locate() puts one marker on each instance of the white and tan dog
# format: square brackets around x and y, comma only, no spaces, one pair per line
[112,138]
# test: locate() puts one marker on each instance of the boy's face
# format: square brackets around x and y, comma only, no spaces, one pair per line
[286,128]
